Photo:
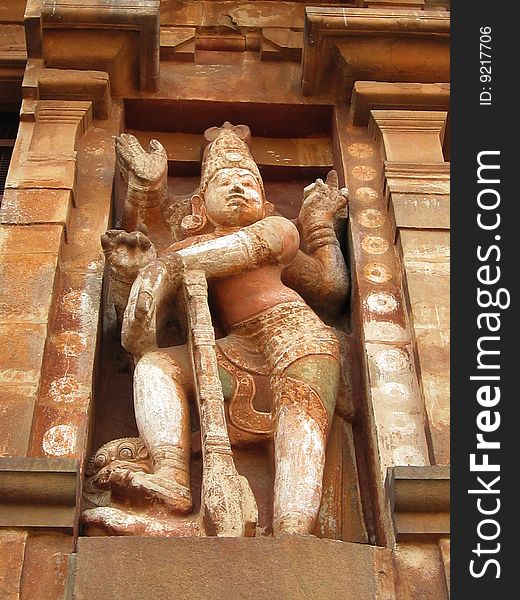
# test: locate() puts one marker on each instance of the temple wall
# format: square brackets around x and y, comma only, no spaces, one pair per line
[79,78]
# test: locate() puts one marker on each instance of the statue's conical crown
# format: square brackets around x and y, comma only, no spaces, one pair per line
[227,151]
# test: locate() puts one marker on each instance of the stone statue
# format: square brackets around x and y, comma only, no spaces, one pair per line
[260,274]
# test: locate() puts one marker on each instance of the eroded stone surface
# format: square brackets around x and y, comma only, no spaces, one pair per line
[12,548]
[259,569]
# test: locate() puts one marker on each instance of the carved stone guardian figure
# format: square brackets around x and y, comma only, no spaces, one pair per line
[236,291]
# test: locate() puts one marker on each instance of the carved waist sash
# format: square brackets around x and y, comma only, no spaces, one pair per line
[265,345]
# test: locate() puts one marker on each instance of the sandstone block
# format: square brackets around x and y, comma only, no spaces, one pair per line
[16,412]
[289,568]
[12,548]
[21,352]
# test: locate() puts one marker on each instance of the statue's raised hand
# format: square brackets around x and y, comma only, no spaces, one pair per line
[139,166]
[321,201]
[127,253]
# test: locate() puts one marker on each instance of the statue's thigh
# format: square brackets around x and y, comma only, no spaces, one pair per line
[180,357]
[311,384]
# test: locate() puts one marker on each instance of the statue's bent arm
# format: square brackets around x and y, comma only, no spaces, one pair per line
[319,273]
[322,278]
[270,241]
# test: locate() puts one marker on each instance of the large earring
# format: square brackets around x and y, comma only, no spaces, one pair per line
[269,209]
[196,222]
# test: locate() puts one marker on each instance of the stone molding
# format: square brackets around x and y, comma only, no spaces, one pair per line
[12,45]
[328,27]
[420,502]
[410,136]
[40,83]
[422,178]
[414,121]
[417,180]
[38,492]
[127,17]
[378,95]
[419,194]
[292,567]
[13,57]
[44,158]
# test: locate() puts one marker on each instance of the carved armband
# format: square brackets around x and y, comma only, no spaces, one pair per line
[257,251]
[271,240]
[146,196]
[320,234]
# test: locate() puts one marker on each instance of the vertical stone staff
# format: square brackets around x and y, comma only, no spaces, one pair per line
[228,506]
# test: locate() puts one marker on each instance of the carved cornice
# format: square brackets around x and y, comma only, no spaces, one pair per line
[376,95]
[409,135]
[420,502]
[38,492]
[126,17]
[67,84]
[328,27]
[409,121]
[420,178]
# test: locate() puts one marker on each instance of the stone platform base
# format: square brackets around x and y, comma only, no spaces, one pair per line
[290,568]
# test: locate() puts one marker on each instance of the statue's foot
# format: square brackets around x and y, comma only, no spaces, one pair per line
[113,521]
[150,488]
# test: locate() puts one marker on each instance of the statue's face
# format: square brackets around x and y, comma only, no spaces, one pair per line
[234,198]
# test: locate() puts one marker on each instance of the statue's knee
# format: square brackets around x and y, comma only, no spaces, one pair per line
[147,362]
[158,362]
[293,396]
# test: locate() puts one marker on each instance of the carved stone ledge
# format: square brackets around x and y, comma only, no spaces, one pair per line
[12,45]
[38,492]
[291,568]
[418,194]
[368,39]
[13,57]
[178,43]
[41,181]
[415,121]
[116,36]
[63,84]
[420,502]
[421,178]
[377,95]
[281,44]
[409,136]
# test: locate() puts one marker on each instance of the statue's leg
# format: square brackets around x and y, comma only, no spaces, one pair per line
[304,400]
[162,383]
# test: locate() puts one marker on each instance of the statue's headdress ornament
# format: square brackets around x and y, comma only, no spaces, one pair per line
[227,148]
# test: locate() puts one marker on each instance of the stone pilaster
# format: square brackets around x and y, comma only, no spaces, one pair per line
[417,192]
